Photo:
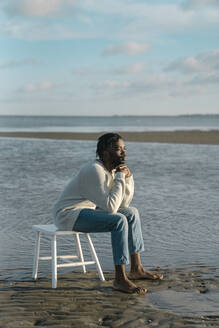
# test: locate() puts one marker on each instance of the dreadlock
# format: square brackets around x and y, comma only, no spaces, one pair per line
[106,140]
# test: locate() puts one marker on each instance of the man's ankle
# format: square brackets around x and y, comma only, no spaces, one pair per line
[136,268]
[120,274]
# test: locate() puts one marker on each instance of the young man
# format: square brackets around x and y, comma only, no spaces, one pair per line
[97,200]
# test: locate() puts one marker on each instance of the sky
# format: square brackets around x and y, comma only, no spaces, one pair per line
[109,57]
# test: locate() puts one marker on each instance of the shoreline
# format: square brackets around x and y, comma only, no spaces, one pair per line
[185,298]
[210,137]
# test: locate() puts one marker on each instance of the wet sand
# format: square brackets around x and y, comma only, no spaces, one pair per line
[186,137]
[82,300]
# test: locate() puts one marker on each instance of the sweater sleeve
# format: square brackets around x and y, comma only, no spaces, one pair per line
[129,192]
[94,187]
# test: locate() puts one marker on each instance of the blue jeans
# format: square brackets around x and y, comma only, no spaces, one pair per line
[125,228]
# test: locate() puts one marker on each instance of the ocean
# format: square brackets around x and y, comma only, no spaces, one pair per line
[176,192]
[108,123]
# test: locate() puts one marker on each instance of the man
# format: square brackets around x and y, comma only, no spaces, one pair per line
[97,200]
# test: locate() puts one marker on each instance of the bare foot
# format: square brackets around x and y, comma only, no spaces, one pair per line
[144,274]
[127,286]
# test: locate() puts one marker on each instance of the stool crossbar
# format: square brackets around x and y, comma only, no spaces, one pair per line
[52,231]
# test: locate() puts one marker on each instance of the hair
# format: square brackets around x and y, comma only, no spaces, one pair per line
[105,141]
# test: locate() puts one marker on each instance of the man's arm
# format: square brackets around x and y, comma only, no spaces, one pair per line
[94,182]
[129,187]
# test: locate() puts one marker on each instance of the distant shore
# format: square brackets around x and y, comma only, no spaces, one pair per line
[210,137]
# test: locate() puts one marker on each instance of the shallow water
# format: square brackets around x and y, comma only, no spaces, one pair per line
[186,303]
[177,188]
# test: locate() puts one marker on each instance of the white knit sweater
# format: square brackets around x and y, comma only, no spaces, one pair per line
[93,186]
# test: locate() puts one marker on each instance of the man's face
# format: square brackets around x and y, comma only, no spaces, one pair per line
[117,153]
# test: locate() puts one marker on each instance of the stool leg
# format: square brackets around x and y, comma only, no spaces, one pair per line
[36,255]
[95,258]
[79,250]
[54,261]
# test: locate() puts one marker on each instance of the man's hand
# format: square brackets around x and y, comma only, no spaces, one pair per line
[124,169]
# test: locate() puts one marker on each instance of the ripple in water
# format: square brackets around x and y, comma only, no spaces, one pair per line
[177,189]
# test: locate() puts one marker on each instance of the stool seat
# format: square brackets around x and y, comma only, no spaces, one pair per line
[52,231]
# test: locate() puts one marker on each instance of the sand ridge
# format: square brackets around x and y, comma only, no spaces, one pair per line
[210,137]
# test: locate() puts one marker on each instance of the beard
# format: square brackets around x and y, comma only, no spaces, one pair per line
[118,160]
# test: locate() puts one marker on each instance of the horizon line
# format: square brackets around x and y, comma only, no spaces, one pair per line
[114,115]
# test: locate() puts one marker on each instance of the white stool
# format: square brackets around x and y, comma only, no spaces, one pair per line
[52,231]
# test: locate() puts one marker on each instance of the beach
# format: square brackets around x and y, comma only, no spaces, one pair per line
[210,137]
[82,300]
[177,210]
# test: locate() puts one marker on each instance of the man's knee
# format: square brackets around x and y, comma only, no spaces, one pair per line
[120,222]
[130,212]
[133,211]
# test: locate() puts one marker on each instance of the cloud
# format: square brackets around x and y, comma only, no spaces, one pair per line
[195,4]
[204,80]
[31,8]
[115,84]
[207,62]
[38,87]
[145,19]
[187,65]
[115,19]
[127,48]
[161,84]
[84,71]
[147,85]
[110,87]
[36,8]
[131,69]
[36,31]
[154,83]
[18,63]
[197,74]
